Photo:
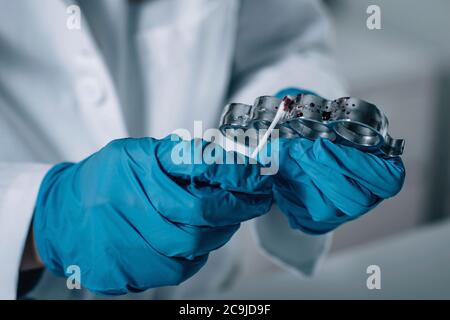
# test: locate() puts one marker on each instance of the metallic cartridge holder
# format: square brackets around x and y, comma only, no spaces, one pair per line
[264,111]
[309,117]
[348,121]
[235,118]
[360,122]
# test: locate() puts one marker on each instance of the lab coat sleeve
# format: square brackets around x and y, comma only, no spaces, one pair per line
[283,44]
[19,185]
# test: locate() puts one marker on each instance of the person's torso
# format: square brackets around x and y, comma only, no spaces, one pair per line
[134,68]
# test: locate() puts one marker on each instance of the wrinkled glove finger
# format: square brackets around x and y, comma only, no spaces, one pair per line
[206,204]
[197,161]
[382,177]
[300,217]
[345,193]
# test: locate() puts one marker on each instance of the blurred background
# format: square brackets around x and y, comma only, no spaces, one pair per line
[405,69]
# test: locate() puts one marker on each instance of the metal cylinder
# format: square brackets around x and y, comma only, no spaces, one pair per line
[347,120]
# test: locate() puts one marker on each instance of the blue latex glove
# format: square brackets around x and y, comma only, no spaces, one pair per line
[293,92]
[131,219]
[322,185]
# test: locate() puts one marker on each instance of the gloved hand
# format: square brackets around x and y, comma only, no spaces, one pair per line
[321,185]
[132,219]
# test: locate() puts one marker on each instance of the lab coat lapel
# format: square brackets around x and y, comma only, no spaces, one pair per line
[186,60]
[96,94]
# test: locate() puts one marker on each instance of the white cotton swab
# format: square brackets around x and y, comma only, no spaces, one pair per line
[283,108]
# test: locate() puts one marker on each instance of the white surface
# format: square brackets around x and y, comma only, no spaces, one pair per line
[413,266]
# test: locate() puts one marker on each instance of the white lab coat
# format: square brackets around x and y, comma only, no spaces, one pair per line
[145,68]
